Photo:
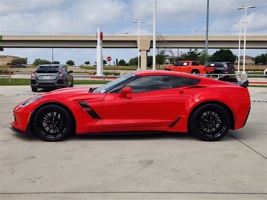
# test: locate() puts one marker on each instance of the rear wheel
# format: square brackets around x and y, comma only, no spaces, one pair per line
[195,72]
[34,89]
[210,122]
[52,123]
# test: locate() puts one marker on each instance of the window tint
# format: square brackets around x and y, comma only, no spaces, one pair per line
[195,63]
[230,65]
[181,64]
[150,83]
[182,81]
[48,68]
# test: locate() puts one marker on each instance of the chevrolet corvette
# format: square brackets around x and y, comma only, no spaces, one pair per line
[141,101]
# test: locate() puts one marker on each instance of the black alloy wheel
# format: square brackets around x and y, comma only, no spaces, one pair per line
[52,123]
[210,122]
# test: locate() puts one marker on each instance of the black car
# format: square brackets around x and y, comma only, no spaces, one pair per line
[51,76]
[221,67]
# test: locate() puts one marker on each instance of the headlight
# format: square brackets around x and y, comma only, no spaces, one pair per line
[29,101]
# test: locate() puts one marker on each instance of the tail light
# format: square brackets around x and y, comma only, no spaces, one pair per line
[61,74]
[33,75]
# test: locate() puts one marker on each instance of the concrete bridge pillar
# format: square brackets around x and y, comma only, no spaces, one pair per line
[143,60]
[144,48]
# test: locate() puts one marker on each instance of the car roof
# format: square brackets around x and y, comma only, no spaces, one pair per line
[164,73]
[51,65]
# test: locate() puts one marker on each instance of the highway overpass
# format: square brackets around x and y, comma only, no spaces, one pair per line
[130,41]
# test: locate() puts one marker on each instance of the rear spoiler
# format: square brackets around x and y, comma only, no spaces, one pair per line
[234,80]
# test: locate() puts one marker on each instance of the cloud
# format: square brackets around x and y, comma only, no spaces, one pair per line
[82,17]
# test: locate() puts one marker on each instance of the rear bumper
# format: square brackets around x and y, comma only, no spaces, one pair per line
[48,84]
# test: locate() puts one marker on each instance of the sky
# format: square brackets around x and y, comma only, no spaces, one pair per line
[116,17]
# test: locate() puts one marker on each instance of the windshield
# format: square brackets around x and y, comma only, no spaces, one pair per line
[109,86]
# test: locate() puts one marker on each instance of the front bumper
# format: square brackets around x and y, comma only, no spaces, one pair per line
[27,132]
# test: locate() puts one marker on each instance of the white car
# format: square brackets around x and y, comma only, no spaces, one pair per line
[265,72]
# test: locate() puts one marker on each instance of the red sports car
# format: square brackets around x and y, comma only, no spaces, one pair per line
[162,101]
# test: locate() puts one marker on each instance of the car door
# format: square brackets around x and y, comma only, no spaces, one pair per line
[182,67]
[152,104]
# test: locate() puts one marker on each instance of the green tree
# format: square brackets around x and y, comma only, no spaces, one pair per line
[55,62]
[87,62]
[160,58]
[203,57]
[19,61]
[133,61]
[261,59]
[223,55]
[39,61]
[70,62]
[122,62]
[149,61]
[190,55]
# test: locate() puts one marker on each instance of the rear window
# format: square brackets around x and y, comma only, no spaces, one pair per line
[230,65]
[183,81]
[47,69]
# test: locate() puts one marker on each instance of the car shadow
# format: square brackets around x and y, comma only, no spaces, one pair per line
[134,136]
[124,136]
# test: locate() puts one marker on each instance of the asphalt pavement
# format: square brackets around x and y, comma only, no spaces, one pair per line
[122,167]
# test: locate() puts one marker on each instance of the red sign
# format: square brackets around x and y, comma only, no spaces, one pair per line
[109,58]
[101,35]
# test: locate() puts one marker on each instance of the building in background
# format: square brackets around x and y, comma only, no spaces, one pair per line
[249,60]
[6,59]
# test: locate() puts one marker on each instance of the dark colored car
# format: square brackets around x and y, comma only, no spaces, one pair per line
[141,101]
[221,67]
[51,76]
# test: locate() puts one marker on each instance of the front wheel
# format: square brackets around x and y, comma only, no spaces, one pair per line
[52,123]
[210,122]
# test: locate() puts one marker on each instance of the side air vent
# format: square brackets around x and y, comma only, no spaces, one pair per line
[89,110]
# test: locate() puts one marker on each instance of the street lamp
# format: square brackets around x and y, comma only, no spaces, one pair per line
[154,36]
[138,41]
[239,46]
[243,75]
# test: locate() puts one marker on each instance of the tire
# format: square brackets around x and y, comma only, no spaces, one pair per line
[52,123]
[210,122]
[34,89]
[71,85]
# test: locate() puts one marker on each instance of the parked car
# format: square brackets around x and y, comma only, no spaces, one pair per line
[221,67]
[51,76]
[164,101]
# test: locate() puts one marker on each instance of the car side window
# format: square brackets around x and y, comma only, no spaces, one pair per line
[150,83]
[183,81]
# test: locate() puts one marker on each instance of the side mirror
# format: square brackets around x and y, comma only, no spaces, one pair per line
[124,93]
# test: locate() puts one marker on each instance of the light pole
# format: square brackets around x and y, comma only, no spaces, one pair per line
[239,46]
[154,36]
[244,75]
[207,32]
[138,41]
